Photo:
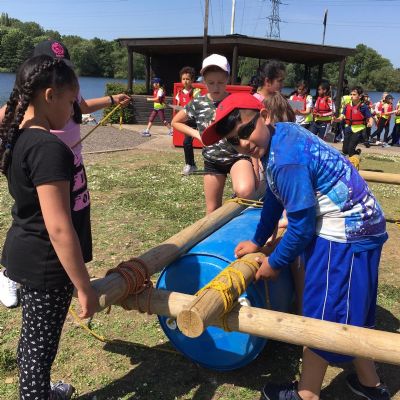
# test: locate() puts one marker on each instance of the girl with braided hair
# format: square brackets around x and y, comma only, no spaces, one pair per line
[46,246]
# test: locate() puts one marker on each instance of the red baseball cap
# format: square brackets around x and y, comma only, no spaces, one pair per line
[230,103]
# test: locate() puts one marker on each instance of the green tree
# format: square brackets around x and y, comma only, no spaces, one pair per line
[85,59]
[10,45]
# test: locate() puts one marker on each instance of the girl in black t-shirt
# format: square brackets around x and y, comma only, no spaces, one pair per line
[43,251]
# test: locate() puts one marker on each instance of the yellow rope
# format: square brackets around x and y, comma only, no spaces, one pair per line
[117,107]
[235,280]
[85,327]
[245,202]
[105,340]
[355,160]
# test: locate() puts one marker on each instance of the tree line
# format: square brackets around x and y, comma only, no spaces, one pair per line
[94,57]
[103,58]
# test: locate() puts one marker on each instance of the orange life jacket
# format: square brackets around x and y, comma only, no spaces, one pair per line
[322,106]
[353,115]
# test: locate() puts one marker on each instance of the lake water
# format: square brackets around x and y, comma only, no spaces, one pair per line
[95,87]
[90,88]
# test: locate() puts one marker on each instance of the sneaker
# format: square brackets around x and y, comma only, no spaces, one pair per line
[61,391]
[357,151]
[189,169]
[367,145]
[281,392]
[8,291]
[384,145]
[146,134]
[380,392]
[378,142]
[170,132]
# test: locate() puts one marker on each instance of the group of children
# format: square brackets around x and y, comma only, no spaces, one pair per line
[333,220]
[358,114]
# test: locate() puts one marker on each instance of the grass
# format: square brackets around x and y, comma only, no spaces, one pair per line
[138,200]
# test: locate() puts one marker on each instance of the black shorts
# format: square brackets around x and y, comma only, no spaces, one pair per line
[216,168]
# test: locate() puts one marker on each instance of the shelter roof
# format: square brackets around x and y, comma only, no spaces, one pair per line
[294,52]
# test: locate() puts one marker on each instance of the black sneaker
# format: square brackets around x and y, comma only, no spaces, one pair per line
[380,392]
[357,151]
[367,145]
[281,392]
[61,391]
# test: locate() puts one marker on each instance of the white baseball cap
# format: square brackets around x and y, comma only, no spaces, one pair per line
[216,60]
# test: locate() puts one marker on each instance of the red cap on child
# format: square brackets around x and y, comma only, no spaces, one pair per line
[230,103]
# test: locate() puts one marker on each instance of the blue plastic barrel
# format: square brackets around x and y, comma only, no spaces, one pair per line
[216,349]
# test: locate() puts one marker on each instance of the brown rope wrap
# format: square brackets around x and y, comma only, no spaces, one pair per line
[137,279]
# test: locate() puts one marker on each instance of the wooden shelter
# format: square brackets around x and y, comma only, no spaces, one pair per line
[165,56]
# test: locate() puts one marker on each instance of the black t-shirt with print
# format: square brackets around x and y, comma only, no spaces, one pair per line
[38,158]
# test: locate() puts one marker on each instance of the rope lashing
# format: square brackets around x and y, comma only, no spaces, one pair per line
[137,279]
[246,202]
[355,160]
[235,280]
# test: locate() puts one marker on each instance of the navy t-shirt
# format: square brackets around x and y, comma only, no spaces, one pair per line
[39,158]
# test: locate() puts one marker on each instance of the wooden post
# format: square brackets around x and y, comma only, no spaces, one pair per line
[344,339]
[113,286]
[147,72]
[209,304]
[338,100]
[130,68]
[320,72]
[381,177]
[235,64]
[307,73]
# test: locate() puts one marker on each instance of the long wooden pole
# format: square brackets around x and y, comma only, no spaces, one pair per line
[344,339]
[210,303]
[113,286]
[380,177]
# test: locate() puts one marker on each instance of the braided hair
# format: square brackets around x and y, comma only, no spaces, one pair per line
[35,74]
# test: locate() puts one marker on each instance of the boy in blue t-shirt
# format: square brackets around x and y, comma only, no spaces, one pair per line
[334,221]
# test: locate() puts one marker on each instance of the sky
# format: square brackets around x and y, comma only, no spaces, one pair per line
[350,22]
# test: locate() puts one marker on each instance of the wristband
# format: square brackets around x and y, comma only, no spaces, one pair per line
[112,100]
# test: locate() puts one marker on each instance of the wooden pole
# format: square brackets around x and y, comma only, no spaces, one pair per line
[344,339]
[205,33]
[235,64]
[113,286]
[130,69]
[210,304]
[380,177]
[339,93]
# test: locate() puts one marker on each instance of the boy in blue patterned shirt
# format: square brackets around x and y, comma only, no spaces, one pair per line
[334,221]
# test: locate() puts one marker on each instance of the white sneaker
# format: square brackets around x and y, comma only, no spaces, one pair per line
[8,291]
[171,132]
[188,169]
[146,134]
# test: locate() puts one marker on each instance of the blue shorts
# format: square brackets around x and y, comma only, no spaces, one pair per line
[340,286]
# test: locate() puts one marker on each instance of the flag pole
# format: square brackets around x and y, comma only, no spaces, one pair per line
[324,23]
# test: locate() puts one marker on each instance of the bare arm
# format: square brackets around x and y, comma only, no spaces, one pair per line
[92,105]
[178,123]
[2,113]
[55,206]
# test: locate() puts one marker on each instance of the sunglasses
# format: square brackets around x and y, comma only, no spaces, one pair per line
[244,131]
